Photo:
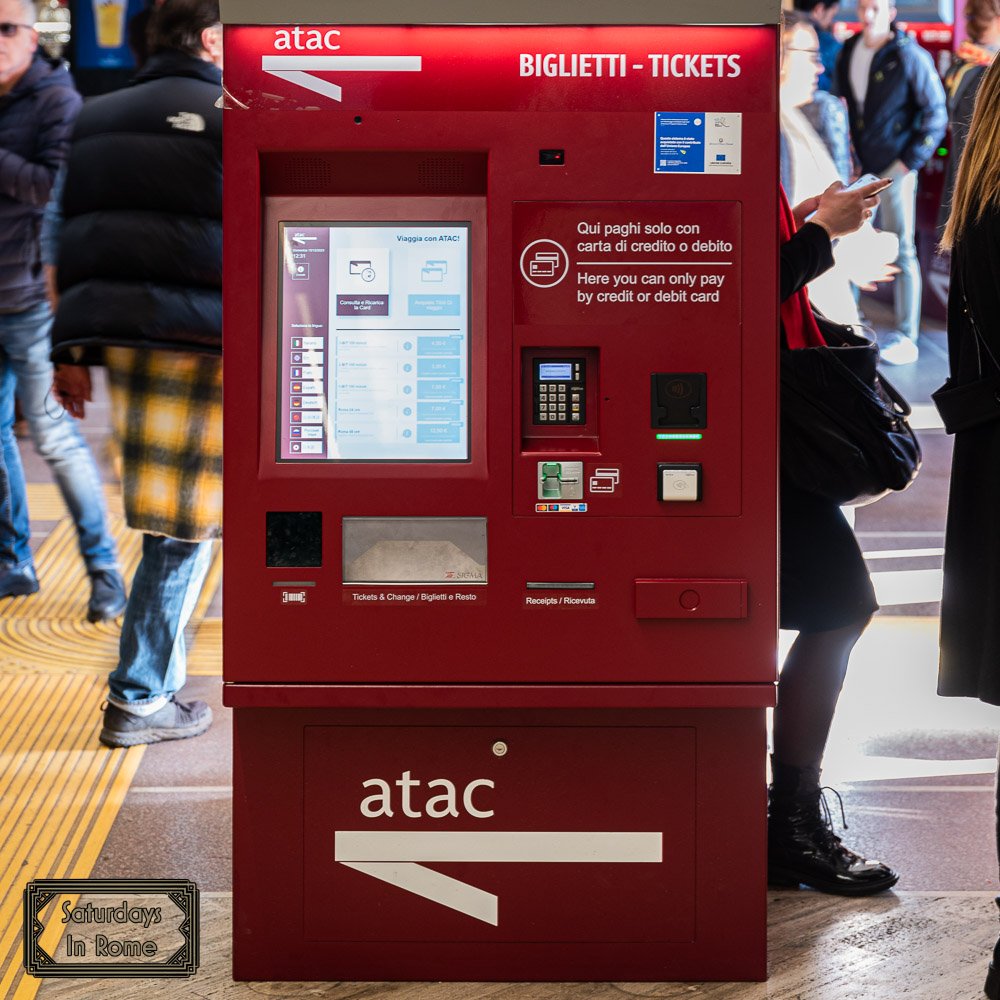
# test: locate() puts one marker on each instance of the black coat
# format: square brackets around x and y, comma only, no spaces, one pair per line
[970,606]
[36,118]
[140,252]
[807,255]
[904,116]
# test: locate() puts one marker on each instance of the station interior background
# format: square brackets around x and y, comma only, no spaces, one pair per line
[915,770]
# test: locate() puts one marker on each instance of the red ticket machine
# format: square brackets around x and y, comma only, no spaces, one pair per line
[501,487]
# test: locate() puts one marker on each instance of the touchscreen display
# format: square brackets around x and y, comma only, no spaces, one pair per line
[374,342]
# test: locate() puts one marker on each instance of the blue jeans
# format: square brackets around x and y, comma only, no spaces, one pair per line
[898,214]
[25,369]
[152,660]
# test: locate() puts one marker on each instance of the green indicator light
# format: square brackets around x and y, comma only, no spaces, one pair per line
[942,151]
[679,437]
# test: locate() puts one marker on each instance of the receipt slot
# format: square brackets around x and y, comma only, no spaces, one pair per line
[500,469]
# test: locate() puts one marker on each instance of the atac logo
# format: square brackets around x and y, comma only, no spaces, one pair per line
[308,54]
[299,39]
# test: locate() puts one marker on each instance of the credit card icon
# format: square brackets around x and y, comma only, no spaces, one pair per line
[543,265]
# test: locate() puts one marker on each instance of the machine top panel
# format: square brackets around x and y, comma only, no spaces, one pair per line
[583,12]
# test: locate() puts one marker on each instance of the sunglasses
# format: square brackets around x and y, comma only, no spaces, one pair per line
[8,29]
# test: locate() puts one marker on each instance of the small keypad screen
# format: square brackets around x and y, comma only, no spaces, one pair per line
[555,372]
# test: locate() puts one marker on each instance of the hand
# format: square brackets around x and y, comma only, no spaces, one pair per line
[841,211]
[71,386]
[866,257]
[888,274]
[804,209]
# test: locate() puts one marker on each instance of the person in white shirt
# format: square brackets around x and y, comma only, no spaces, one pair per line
[862,257]
[898,116]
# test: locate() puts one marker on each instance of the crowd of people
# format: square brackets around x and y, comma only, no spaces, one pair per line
[110,255]
[877,106]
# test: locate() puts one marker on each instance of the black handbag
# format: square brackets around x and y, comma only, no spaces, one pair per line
[844,433]
[966,405]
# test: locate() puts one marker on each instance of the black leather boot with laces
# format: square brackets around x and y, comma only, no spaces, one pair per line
[802,848]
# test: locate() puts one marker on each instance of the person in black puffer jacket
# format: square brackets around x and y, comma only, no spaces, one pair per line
[38,104]
[140,276]
[140,250]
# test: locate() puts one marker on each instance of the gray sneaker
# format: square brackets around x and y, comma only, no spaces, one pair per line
[177,720]
[899,350]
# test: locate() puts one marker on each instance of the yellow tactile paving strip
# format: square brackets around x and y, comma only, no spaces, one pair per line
[60,792]
[71,646]
[45,502]
[49,630]
[65,587]
[205,659]
[60,789]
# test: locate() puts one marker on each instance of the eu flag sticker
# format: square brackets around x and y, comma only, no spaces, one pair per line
[697,142]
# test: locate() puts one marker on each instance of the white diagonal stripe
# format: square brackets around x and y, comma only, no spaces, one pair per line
[503,845]
[309,82]
[434,886]
[348,64]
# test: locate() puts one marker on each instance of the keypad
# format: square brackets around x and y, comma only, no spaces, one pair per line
[560,401]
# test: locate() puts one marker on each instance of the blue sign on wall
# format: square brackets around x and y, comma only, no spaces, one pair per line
[680,143]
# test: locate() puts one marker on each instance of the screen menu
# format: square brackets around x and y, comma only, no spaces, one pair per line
[374,342]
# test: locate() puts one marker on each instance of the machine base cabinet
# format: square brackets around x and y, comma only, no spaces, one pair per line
[493,844]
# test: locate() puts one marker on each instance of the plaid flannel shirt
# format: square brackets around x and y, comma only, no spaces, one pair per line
[167,415]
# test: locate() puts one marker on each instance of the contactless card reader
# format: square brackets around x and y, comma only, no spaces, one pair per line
[678,399]
[678,482]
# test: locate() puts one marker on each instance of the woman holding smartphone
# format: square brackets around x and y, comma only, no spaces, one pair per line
[826,595]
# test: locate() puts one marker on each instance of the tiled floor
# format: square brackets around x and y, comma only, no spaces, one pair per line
[903,945]
[915,772]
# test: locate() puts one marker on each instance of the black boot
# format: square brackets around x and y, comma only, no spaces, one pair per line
[992,987]
[802,848]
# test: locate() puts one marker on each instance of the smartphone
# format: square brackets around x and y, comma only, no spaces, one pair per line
[865,179]
[860,183]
